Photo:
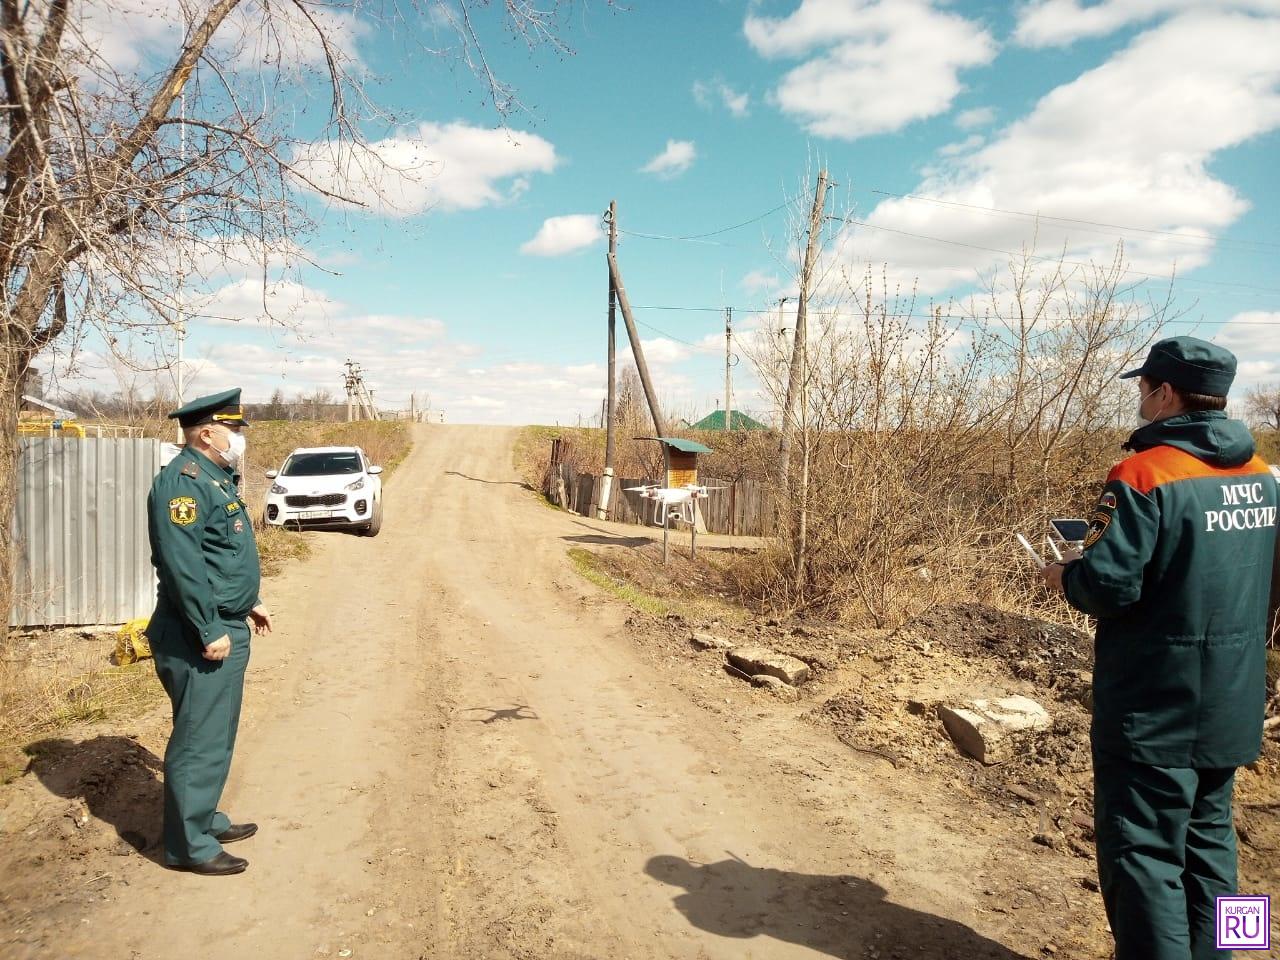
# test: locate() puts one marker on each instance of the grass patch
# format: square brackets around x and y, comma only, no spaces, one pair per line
[55,680]
[590,568]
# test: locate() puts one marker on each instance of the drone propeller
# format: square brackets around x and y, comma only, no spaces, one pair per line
[647,486]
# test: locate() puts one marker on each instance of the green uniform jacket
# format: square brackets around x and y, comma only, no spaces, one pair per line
[1177,570]
[202,546]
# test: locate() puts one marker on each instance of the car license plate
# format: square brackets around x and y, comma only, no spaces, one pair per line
[314,514]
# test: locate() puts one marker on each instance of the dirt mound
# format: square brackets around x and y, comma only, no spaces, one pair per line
[1035,650]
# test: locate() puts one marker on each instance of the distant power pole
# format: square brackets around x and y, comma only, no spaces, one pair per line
[611,401]
[728,377]
[358,393]
[349,384]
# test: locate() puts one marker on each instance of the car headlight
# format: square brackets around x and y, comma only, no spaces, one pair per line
[358,485]
[276,488]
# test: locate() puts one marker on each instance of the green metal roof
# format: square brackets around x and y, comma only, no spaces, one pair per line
[679,443]
[738,421]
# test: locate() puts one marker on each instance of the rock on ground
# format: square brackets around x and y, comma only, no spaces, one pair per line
[780,689]
[984,728]
[757,660]
[709,641]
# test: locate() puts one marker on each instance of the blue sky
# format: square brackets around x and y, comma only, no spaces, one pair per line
[480,282]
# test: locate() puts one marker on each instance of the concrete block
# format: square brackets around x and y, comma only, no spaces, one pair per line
[984,728]
[756,660]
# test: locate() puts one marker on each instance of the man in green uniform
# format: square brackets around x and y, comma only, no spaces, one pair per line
[206,559]
[1177,570]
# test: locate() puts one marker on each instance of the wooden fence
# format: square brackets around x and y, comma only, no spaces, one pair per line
[741,509]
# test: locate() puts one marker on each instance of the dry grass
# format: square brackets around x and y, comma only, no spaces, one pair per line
[55,679]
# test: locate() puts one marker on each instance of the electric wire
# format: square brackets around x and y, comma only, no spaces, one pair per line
[1205,237]
[1037,257]
[701,237]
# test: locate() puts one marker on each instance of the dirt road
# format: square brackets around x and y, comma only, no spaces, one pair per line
[454,750]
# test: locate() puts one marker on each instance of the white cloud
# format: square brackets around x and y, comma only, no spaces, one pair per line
[673,161]
[454,165]
[876,65]
[661,350]
[251,302]
[1047,23]
[971,142]
[1100,148]
[124,35]
[977,117]
[1251,332]
[757,281]
[708,92]
[561,235]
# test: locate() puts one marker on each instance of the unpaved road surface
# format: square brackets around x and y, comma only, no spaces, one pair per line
[455,750]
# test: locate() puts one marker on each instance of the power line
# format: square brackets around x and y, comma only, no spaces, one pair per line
[1032,256]
[701,237]
[1208,237]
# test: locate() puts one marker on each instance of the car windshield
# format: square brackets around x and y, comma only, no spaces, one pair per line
[321,464]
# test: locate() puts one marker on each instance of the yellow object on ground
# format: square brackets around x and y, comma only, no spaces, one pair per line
[131,642]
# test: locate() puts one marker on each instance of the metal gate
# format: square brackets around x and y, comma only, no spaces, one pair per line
[81,554]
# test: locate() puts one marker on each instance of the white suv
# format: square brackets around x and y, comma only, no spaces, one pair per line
[326,486]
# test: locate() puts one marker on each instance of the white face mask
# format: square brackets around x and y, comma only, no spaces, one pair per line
[233,456]
[1145,421]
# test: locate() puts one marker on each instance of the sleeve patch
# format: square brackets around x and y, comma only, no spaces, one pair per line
[1097,527]
[1108,502]
[182,510]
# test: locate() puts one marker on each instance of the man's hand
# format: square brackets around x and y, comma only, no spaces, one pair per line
[261,618]
[1052,574]
[220,649]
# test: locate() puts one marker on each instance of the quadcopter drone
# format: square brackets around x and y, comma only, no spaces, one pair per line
[673,503]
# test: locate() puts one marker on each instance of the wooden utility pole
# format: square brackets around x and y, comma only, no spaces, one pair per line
[659,424]
[728,354]
[611,408]
[795,375]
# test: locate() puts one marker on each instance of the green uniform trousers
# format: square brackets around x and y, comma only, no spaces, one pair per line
[206,697]
[1166,850]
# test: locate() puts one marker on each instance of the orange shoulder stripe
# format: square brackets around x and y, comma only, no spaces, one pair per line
[1160,465]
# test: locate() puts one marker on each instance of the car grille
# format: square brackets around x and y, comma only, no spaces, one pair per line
[328,500]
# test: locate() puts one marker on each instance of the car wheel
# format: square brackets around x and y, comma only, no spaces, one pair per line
[375,524]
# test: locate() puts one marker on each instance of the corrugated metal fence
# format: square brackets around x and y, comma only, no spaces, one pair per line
[80,546]
[741,509]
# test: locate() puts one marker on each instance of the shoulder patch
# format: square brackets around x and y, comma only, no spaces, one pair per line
[182,511]
[1108,501]
[233,506]
[1097,527]
[191,470]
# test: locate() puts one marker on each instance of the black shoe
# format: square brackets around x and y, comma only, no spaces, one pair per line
[237,831]
[223,865]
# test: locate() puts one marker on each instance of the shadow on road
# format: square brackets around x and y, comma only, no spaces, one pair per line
[508,713]
[499,483]
[117,779]
[841,916]
[609,541]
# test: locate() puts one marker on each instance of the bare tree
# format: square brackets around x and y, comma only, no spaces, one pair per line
[117,179]
[925,432]
[1262,405]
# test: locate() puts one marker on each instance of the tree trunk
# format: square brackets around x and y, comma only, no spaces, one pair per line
[13,369]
